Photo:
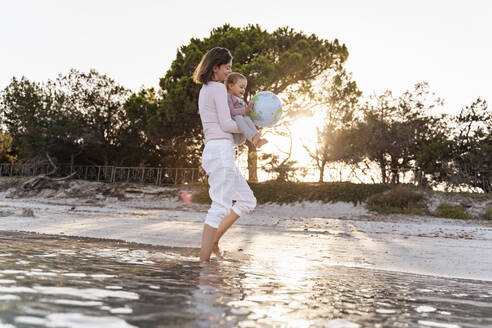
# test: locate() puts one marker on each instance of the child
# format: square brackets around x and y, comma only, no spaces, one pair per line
[236,86]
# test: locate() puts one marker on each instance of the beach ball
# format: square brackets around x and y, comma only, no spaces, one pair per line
[267,109]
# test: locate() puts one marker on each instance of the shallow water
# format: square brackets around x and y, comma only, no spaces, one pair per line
[53,281]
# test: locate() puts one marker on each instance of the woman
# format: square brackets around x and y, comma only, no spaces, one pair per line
[225,179]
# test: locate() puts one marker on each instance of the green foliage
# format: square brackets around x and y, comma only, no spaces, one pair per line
[488,213]
[446,210]
[34,118]
[384,209]
[139,108]
[94,102]
[285,169]
[337,97]
[473,147]
[79,116]
[7,154]
[271,61]
[392,131]
[401,199]
[289,192]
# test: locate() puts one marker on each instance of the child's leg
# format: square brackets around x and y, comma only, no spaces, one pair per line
[258,140]
[239,138]
[250,124]
[245,127]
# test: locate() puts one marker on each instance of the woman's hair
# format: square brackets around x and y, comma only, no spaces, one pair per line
[233,78]
[204,72]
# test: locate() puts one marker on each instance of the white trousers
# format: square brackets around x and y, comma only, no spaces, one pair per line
[226,182]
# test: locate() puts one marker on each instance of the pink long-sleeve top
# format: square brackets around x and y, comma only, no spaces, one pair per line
[214,112]
[232,100]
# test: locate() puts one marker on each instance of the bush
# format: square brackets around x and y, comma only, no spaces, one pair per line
[291,192]
[446,210]
[401,199]
[488,213]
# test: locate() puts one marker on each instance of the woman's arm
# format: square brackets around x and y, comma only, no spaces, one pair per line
[223,113]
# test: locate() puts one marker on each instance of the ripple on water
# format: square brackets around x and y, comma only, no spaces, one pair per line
[121,310]
[8,297]
[113,287]
[438,324]
[75,274]
[102,276]
[73,302]
[425,308]
[385,311]
[88,293]
[337,323]
[6,325]
[142,286]
[74,320]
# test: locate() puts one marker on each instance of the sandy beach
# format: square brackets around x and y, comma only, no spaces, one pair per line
[332,233]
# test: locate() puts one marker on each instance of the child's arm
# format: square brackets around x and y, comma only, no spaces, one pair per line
[249,107]
[239,110]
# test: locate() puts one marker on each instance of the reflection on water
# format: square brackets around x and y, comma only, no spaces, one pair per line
[51,281]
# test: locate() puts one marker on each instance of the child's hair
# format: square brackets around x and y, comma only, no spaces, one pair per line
[233,78]
[204,72]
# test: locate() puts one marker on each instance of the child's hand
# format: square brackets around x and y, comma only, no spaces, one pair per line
[250,107]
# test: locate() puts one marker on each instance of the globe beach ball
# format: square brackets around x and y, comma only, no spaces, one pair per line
[267,109]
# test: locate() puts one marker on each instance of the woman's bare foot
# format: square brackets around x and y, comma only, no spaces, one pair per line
[217,251]
[261,142]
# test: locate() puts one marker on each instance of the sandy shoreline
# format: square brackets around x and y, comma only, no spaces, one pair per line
[333,234]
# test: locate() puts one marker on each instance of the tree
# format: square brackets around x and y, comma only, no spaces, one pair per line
[139,108]
[393,130]
[275,61]
[35,121]
[336,97]
[472,142]
[77,116]
[95,102]
[284,168]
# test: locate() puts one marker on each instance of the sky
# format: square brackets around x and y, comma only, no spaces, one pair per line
[392,44]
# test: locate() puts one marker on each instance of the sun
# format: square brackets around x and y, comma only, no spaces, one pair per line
[303,133]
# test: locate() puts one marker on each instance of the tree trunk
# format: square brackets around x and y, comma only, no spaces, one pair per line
[252,163]
[395,177]
[321,172]
[382,165]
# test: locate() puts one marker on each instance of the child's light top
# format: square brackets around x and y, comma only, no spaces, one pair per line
[232,100]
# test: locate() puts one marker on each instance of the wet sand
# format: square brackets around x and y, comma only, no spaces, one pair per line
[328,234]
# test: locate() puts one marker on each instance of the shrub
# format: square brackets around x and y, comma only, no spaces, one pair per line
[401,199]
[488,213]
[291,192]
[446,210]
